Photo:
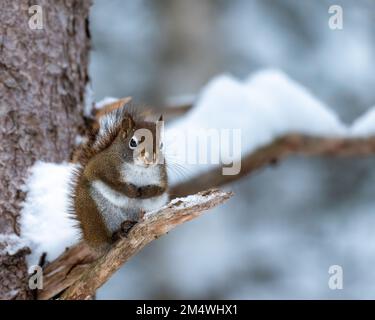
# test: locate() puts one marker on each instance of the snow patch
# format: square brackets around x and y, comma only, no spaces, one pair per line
[286,106]
[268,104]
[364,126]
[46,225]
[11,244]
[102,103]
[193,200]
[185,202]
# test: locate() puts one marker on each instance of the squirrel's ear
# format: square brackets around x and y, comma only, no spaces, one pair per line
[161,118]
[127,123]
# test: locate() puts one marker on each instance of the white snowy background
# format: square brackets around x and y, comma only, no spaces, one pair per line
[268,67]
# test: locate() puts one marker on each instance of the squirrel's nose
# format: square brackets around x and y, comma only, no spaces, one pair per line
[147,159]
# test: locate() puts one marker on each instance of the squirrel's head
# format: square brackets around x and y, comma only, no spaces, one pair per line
[125,136]
[139,141]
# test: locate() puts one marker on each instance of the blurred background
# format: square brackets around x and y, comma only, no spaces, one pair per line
[287,224]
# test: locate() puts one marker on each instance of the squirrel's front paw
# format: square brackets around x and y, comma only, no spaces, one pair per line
[150,191]
[132,191]
[140,215]
[125,228]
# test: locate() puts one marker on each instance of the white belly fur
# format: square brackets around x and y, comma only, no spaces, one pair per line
[140,176]
[116,207]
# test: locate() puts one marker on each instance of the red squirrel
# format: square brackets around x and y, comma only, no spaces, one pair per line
[117,180]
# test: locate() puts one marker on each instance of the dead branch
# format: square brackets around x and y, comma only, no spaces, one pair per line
[65,270]
[80,273]
[170,111]
[176,111]
[293,144]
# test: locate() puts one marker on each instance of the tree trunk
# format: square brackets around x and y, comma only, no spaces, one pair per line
[43,73]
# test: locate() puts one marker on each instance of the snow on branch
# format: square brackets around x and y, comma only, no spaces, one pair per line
[289,145]
[80,274]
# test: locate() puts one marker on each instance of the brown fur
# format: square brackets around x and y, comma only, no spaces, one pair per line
[91,222]
[101,159]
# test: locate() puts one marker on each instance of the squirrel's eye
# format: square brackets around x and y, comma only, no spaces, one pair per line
[133,143]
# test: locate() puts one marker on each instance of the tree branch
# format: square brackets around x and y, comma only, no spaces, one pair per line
[81,273]
[293,144]
[175,111]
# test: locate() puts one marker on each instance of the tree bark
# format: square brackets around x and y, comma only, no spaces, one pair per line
[43,73]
